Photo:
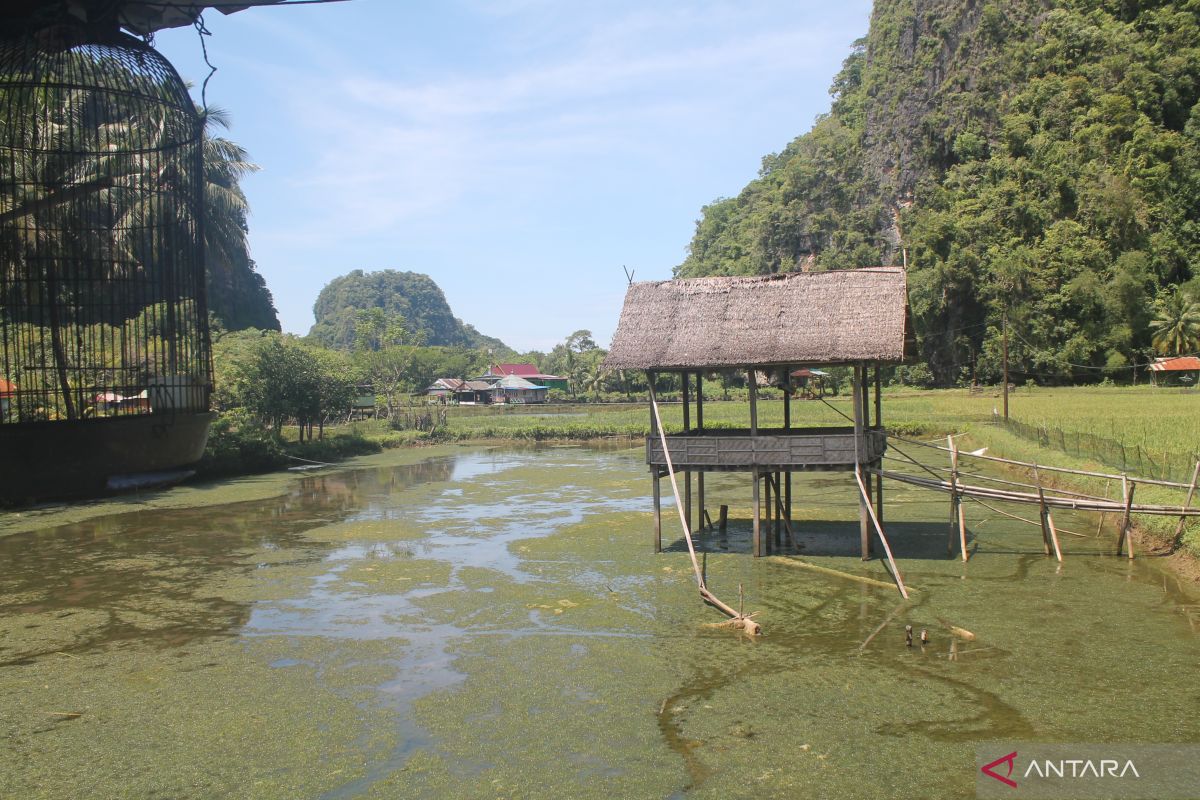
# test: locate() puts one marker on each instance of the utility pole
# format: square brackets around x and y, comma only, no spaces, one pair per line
[1006,365]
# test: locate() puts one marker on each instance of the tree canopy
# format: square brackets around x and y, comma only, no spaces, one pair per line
[414,296]
[1029,159]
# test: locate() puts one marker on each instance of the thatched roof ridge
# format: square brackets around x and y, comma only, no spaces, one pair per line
[811,318]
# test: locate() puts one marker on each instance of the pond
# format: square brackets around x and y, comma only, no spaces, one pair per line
[479,623]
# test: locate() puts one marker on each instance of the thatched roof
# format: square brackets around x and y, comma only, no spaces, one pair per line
[798,318]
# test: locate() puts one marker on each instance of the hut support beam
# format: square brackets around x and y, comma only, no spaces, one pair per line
[657,483]
[757,524]
[687,426]
[705,520]
[864,503]
[1128,488]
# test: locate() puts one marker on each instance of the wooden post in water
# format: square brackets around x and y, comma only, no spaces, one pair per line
[705,520]
[1186,505]
[724,518]
[879,427]
[1043,512]
[955,501]
[751,383]
[1128,488]
[767,511]
[657,481]
[864,507]
[756,535]
[962,520]
[687,426]
[654,470]
[1047,519]
[787,426]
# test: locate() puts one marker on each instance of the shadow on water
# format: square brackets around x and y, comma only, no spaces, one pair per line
[145,575]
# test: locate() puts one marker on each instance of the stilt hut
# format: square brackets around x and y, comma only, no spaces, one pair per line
[768,326]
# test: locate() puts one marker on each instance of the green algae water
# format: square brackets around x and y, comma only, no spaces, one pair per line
[481,623]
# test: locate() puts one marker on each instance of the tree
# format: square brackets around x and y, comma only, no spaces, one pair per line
[1176,323]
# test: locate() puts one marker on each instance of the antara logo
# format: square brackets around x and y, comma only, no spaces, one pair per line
[1009,759]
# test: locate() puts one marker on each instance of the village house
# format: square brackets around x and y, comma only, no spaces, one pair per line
[527,371]
[1178,371]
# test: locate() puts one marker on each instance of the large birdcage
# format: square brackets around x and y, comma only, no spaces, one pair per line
[104,347]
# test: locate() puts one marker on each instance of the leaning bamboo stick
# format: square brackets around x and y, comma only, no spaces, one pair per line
[737,619]
[795,562]
[887,549]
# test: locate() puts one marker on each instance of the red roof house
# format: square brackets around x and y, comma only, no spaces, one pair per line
[1174,366]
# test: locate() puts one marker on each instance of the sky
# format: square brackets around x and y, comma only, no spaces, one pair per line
[519,152]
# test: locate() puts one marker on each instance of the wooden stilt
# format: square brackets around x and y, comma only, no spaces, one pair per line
[955,504]
[703,512]
[687,426]
[787,502]
[1186,504]
[770,537]
[737,618]
[687,498]
[879,493]
[1128,488]
[864,503]
[1043,512]
[962,520]
[724,518]
[781,516]
[657,482]
[757,525]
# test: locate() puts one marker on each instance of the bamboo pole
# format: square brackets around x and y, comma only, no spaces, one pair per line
[1054,536]
[1042,512]
[1048,468]
[1023,497]
[767,516]
[1128,487]
[781,514]
[796,562]
[756,533]
[864,501]
[1183,515]
[956,507]
[887,549]
[657,483]
[736,618]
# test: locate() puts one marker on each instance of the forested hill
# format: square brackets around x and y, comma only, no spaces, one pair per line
[1039,158]
[414,296]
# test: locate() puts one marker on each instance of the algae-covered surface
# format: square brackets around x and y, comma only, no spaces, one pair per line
[484,623]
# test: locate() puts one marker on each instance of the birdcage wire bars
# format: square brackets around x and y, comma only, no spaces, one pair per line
[102,303]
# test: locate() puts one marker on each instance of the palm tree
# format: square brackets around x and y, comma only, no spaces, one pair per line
[1176,323]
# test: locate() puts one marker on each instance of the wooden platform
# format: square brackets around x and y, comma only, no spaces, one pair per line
[793,449]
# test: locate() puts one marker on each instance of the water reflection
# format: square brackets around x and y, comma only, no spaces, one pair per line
[149,575]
